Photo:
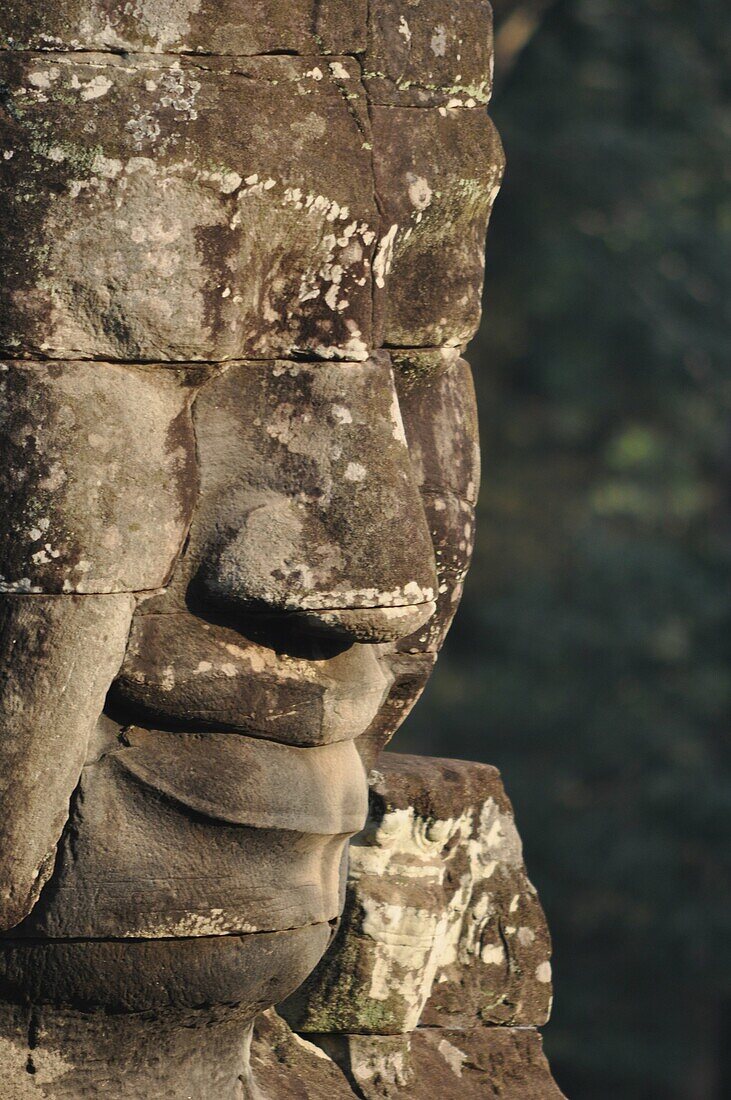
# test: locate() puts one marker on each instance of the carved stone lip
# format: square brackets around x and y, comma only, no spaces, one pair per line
[254,782]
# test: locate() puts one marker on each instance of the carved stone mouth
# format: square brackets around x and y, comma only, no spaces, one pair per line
[178,835]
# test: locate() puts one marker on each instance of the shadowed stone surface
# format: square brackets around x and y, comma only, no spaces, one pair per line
[441,923]
[99,478]
[58,656]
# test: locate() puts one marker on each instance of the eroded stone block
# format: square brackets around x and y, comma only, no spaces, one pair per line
[438,171]
[98,482]
[176,209]
[441,922]
[480,1063]
[236,27]
[429,53]
[410,672]
[58,656]
[287,1067]
[439,409]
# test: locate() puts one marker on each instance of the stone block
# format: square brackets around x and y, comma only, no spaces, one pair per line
[429,53]
[410,672]
[58,656]
[161,208]
[439,409]
[98,482]
[285,1066]
[237,27]
[441,925]
[437,171]
[475,1064]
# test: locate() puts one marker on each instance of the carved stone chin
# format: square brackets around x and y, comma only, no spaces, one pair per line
[241,248]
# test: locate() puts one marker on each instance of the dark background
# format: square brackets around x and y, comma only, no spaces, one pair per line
[589,660]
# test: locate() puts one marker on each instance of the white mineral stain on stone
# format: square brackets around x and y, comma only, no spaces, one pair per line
[543,972]
[107,167]
[493,954]
[404,29]
[339,71]
[454,1057]
[354,471]
[439,40]
[43,79]
[97,87]
[342,415]
[420,193]
[384,256]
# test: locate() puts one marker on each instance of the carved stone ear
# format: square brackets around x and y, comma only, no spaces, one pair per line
[58,656]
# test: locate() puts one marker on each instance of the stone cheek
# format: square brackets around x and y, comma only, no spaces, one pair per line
[169,209]
[436,190]
[58,656]
[169,26]
[99,477]
[441,924]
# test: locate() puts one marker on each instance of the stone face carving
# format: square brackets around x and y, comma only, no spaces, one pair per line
[241,250]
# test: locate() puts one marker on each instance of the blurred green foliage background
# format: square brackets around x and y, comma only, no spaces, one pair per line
[590,658]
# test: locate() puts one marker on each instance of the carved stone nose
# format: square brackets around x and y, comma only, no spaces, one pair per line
[313,506]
